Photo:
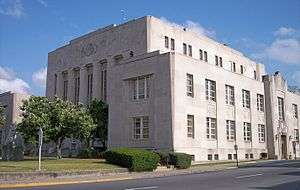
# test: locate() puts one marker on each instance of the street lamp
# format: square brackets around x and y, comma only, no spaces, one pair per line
[40,133]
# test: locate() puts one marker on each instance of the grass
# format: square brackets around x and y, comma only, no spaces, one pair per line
[51,164]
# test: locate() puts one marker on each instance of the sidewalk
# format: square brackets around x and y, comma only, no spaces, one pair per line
[99,176]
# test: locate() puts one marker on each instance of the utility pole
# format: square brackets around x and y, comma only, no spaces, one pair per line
[40,147]
[236,153]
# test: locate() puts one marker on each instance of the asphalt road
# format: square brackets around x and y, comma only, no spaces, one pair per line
[271,175]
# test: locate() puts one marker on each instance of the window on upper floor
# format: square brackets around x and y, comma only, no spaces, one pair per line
[210,90]
[141,88]
[233,66]
[200,54]
[229,95]
[218,61]
[260,102]
[205,56]
[190,126]
[246,98]
[254,75]
[295,110]
[55,84]
[190,51]
[189,85]
[166,42]
[76,86]
[141,127]
[242,69]
[184,48]
[65,86]
[103,81]
[211,128]
[296,135]
[89,88]
[247,132]
[172,44]
[261,133]
[230,130]
[280,109]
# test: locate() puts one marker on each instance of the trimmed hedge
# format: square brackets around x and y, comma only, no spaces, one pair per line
[180,160]
[164,158]
[132,158]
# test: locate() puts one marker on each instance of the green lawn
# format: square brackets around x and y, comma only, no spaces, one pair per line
[65,164]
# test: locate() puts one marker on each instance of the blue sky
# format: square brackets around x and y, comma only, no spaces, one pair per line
[267,31]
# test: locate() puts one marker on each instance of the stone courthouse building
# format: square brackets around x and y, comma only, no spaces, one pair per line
[169,88]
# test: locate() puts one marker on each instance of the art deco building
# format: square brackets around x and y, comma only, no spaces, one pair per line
[169,88]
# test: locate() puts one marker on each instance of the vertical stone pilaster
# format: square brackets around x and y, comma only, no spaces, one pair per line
[60,86]
[83,86]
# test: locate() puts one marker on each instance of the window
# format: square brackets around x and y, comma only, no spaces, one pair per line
[65,86]
[296,134]
[246,98]
[205,56]
[103,82]
[166,42]
[251,156]
[280,109]
[247,132]
[233,67]
[209,156]
[230,130]
[260,102]
[220,61]
[141,127]
[229,156]
[55,84]
[141,88]
[247,156]
[261,133]
[211,128]
[190,51]
[190,126]
[90,88]
[210,89]
[242,69]
[77,86]
[200,54]
[295,111]
[254,75]
[184,49]
[216,157]
[229,95]
[216,60]
[172,44]
[189,85]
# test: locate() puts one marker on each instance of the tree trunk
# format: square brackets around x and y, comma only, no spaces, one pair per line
[58,148]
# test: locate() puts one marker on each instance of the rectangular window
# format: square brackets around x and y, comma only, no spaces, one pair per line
[233,67]
[205,56]
[65,86]
[141,127]
[184,49]
[280,109]
[295,110]
[229,95]
[216,60]
[89,88]
[229,156]
[166,42]
[247,156]
[190,51]
[103,82]
[216,157]
[260,102]
[172,44]
[211,128]
[141,88]
[247,132]
[189,85]
[190,126]
[242,69]
[55,84]
[77,86]
[220,61]
[209,156]
[254,75]
[210,90]
[200,54]
[246,98]
[296,134]
[261,133]
[230,130]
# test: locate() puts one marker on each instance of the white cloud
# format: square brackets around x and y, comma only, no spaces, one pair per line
[285,31]
[12,8]
[43,3]
[9,82]
[192,26]
[296,77]
[39,77]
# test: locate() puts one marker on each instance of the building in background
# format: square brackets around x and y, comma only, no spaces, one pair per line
[169,88]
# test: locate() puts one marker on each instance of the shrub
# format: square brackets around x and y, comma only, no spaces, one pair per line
[180,160]
[89,153]
[164,158]
[132,158]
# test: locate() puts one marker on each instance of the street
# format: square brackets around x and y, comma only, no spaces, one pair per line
[269,175]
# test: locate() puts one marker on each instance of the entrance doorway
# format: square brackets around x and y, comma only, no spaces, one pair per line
[283,147]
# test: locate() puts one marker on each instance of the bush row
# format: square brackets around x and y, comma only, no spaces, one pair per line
[90,153]
[179,160]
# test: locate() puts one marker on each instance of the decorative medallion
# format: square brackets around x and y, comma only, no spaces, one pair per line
[89,49]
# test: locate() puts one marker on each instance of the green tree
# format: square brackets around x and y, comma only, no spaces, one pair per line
[2,115]
[99,112]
